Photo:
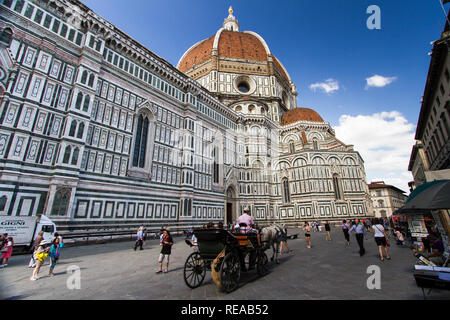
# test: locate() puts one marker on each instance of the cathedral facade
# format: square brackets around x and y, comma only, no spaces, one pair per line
[98,132]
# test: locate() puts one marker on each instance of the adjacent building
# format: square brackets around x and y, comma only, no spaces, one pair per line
[431,153]
[386,198]
[98,132]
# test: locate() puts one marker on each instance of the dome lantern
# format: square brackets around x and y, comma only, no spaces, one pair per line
[230,23]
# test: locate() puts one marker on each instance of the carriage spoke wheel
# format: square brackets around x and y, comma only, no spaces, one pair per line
[194,270]
[230,272]
[262,264]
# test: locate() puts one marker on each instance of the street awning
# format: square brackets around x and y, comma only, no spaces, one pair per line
[427,197]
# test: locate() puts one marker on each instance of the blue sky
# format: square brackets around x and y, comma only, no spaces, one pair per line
[317,41]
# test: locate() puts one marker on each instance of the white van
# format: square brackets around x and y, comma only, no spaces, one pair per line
[25,229]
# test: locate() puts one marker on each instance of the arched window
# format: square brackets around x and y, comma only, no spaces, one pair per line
[91,80]
[3,200]
[84,77]
[61,202]
[291,147]
[80,130]
[78,101]
[140,143]
[315,145]
[380,203]
[337,187]
[73,127]
[215,166]
[286,192]
[87,99]
[74,161]
[67,154]
[6,36]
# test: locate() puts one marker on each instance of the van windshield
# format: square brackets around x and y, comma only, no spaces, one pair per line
[48,228]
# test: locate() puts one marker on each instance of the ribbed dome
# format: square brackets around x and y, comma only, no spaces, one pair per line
[300,114]
[230,44]
[244,46]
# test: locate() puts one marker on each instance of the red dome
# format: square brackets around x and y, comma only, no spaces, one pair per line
[300,114]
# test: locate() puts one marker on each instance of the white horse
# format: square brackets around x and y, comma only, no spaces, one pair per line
[271,237]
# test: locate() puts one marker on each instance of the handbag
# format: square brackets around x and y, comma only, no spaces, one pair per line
[42,256]
[4,250]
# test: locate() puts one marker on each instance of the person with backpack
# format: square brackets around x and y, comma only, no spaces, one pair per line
[41,255]
[54,254]
[380,239]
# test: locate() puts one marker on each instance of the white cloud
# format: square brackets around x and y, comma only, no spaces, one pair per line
[378,81]
[384,141]
[329,86]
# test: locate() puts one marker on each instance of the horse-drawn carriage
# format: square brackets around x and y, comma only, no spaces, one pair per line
[222,252]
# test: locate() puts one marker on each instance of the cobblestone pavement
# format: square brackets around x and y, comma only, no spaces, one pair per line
[329,270]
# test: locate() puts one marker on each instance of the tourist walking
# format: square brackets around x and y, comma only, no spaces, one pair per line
[283,241]
[360,232]
[41,255]
[166,250]
[7,251]
[307,235]
[139,239]
[345,230]
[380,238]
[328,231]
[36,242]
[54,254]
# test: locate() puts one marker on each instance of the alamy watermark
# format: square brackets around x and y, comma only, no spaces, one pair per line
[74,280]
[374,20]
[374,280]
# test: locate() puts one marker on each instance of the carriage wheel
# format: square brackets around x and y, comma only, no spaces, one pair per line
[262,264]
[230,272]
[194,270]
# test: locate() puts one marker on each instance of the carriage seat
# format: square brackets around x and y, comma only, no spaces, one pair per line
[246,238]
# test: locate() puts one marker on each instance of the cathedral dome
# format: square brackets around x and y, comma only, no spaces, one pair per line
[231,45]
[300,114]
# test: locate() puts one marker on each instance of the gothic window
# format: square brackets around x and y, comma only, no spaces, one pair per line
[61,202]
[87,99]
[291,147]
[215,166]
[73,127]
[67,152]
[337,187]
[84,77]
[91,80]
[286,192]
[80,130]
[76,151]
[78,101]
[315,145]
[140,144]
[3,200]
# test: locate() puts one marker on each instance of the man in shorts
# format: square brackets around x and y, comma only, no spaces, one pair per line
[166,250]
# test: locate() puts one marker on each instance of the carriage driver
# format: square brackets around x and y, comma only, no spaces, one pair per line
[246,219]
[246,224]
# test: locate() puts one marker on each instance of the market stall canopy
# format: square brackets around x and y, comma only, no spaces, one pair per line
[427,197]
